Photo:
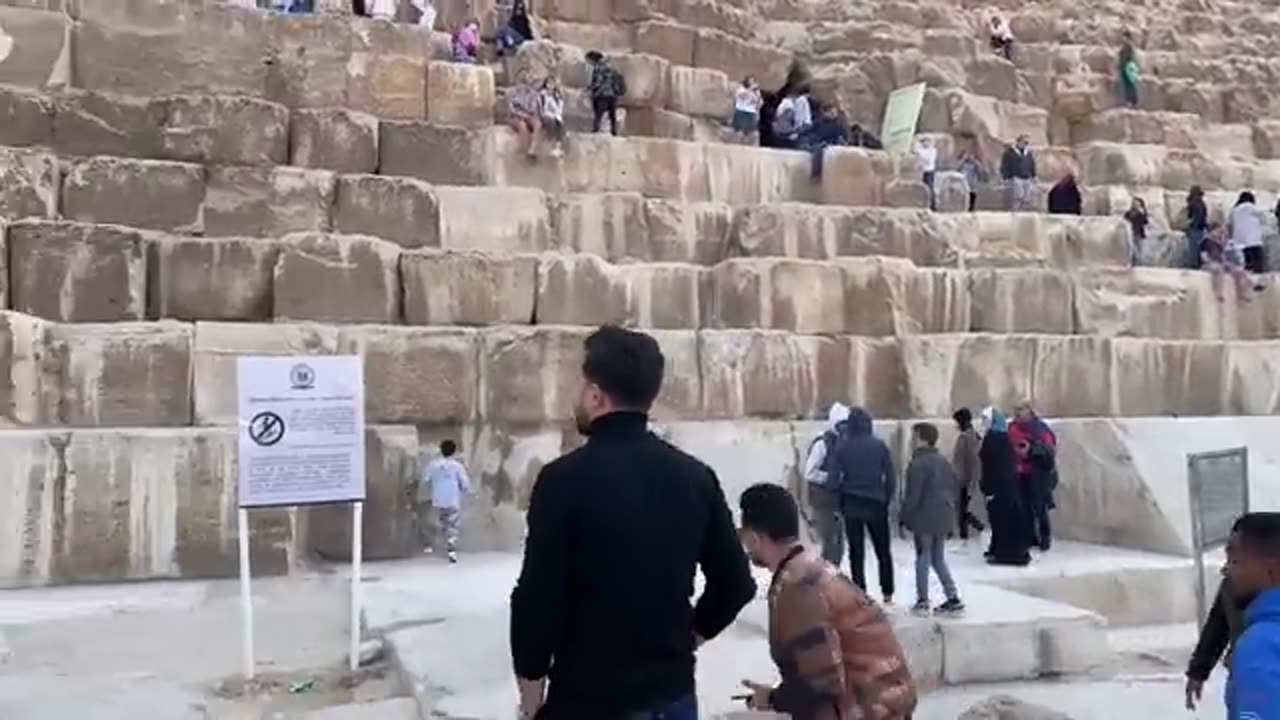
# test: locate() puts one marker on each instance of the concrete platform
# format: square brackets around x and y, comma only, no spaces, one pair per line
[424,605]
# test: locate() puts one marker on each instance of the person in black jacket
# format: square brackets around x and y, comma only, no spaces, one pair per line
[1010,537]
[1219,633]
[1197,224]
[1018,170]
[863,471]
[1065,197]
[617,532]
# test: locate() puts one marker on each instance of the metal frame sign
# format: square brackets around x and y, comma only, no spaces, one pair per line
[1218,488]
[301,437]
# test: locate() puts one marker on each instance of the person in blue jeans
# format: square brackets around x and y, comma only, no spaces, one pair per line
[1253,564]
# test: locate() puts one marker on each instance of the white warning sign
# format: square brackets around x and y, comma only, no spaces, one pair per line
[301,439]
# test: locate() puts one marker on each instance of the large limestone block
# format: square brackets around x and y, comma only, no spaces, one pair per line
[789,230]
[261,201]
[92,123]
[801,296]
[336,139]
[29,118]
[918,300]
[945,372]
[588,290]
[216,346]
[739,174]
[402,210]
[447,155]
[29,393]
[667,40]
[995,123]
[459,94]
[771,373]
[1072,375]
[28,184]
[611,225]
[647,77]
[226,278]
[700,92]
[739,58]
[1168,377]
[1116,164]
[1022,300]
[1147,302]
[438,385]
[77,273]
[468,288]
[337,278]
[855,176]
[36,51]
[390,86]
[152,194]
[687,232]
[222,129]
[310,62]
[540,59]
[468,220]
[123,374]
[1059,241]
[1252,387]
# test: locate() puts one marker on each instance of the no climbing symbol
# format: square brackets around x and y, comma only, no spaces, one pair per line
[266,429]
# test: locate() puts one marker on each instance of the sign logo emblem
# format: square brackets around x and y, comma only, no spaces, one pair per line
[302,377]
[266,429]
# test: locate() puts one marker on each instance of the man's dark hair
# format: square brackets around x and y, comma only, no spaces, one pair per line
[771,511]
[594,56]
[625,364]
[963,418]
[926,432]
[1246,197]
[448,448]
[1260,532]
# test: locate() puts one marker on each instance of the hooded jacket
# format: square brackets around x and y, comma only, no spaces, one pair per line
[1253,690]
[816,464]
[863,466]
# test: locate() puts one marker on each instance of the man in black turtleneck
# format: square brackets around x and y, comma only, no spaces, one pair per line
[617,531]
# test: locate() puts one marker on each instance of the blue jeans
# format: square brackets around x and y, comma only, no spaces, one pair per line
[686,708]
[1194,239]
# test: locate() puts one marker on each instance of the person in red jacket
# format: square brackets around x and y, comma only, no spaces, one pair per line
[1035,446]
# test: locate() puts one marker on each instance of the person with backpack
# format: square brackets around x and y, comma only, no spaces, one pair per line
[823,498]
[863,471]
[606,86]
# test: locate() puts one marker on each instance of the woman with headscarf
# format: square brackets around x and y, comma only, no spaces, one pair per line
[1010,541]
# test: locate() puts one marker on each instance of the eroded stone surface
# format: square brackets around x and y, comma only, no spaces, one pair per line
[337,278]
[153,194]
[77,273]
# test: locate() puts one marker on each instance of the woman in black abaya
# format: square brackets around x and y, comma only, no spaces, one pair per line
[1010,539]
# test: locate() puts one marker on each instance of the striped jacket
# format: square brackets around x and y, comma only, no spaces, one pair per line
[834,648]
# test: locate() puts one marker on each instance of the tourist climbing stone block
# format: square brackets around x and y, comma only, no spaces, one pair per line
[152,194]
[468,288]
[588,290]
[459,94]
[28,184]
[334,139]
[66,271]
[37,48]
[223,130]
[337,278]
[121,374]
[267,201]
[402,210]
[439,385]
[225,278]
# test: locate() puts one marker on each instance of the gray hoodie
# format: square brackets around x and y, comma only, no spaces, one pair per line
[863,466]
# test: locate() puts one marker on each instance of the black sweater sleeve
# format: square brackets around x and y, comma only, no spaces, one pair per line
[729,585]
[537,602]
[1214,637]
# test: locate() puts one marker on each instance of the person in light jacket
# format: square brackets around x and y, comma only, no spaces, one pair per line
[823,498]
[928,511]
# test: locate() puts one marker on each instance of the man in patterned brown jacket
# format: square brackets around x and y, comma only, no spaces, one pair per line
[834,648]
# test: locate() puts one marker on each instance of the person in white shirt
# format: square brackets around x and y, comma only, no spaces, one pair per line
[824,499]
[793,117]
[746,107]
[552,102]
[444,483]
[1246,229]
[382,9]
[426,13]
[927,160]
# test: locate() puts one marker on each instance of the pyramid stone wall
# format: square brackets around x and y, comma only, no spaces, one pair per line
[182,182]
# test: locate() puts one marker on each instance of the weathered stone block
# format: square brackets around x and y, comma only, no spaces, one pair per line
[402,210]
[452,156]
[390,86]
[531,374]
[647,79]
[91,123]
[77,273]
[1072,375]
[611,225]
[666,40]
[191,278]
[224,130]
[28,118]
[37,49]
[771,374]
[893,296]
[264,202]
[586,290]
[312,265]
[701,92]
[1022,300]
[697,233]
[800,296]
[468,288]
[1168,377]
[29,393]
[739,58]
[459,94]
[28,184]
[468,220]
[854,176]
[151,194]
[1147,302]
[438,386]
[217,345]
[945,372]
[122,374]
[1251,385]
[334,139]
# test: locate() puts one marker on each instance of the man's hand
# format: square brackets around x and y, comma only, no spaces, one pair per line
[1195,689]
[532,695]
[759,699]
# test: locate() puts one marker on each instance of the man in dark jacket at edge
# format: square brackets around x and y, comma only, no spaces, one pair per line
[617,529]
[864,474]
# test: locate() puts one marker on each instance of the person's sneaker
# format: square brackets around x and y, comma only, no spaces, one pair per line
[950,607]
[888,600]
[453,556]
[920,608]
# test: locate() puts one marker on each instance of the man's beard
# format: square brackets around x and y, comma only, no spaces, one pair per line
[581,421]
